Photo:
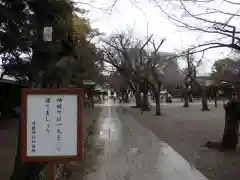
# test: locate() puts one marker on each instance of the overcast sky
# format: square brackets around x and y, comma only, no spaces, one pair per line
[143,13]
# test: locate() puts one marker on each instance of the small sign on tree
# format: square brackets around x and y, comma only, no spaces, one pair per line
[47,34]
[51,124]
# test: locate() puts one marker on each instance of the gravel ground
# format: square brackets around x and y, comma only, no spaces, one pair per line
[186,130]
[8,140]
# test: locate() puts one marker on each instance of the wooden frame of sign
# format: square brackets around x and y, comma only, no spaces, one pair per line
[33,106]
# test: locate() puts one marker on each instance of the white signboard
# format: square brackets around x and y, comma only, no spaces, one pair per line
[51,125]
[88,82]
[47,34]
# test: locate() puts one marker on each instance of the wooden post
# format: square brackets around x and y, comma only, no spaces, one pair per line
[52,171]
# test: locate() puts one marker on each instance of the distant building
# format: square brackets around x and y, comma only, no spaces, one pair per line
[227,70]
[134,54]
[168,70]
[206,80]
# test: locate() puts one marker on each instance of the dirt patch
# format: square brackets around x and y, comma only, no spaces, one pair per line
[186,130]
[8,143]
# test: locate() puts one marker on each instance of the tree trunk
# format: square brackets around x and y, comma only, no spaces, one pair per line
[215,102]
[157,100]
[92,102]
[125,97]
[190,98]
[216,96]
[91,99]
[145,105]
[204,101]
[205,105]
[185,97]
[138,97]
[231,129]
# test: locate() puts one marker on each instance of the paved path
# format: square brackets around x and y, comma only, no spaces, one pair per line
[131,152]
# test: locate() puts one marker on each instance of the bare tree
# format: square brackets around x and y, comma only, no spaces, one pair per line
[128,59]
[190,75]
[133,62]
[193,79]
[155,69]
[225,35]
[143,71]
[224,30]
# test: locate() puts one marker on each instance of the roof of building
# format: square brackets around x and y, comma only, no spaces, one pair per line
[10,79]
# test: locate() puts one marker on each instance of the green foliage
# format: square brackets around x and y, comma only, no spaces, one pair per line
[13,26]
[224,70]
[88,64]
[220,65]
[21,31]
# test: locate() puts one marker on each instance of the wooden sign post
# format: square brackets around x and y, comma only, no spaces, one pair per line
[51,125]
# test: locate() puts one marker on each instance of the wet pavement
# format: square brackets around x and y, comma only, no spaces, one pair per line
[129,151]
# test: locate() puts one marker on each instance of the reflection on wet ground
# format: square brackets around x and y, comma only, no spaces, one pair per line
[126,150]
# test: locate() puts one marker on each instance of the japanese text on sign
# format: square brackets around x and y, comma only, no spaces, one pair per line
[33,136]
[48,134]
[59,121]
[47,114]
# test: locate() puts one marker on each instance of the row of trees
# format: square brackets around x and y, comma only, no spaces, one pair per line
[150,72]
[143,73]
[141,70]
[68,59]
[218,19]
[195,16]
